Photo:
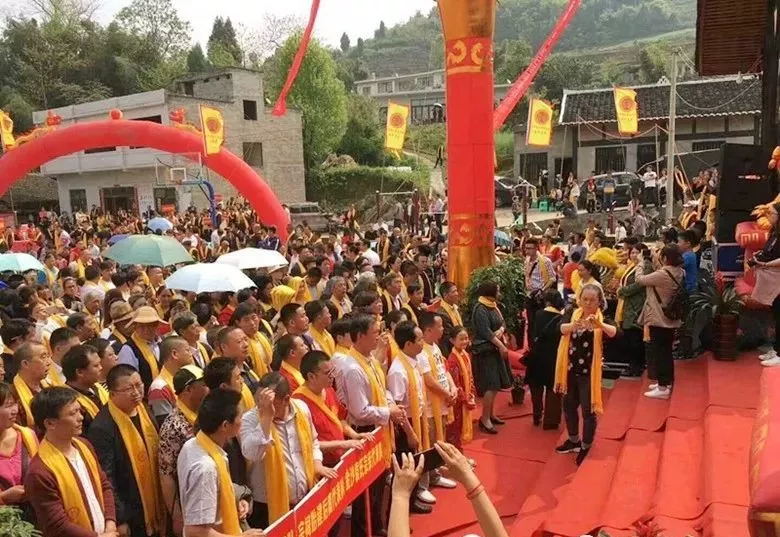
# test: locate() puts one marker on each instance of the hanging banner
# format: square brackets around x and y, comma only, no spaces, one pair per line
[323,505]
[6,131]
[539,132]
[521,85]
[213,126]
[397,118]
[280,108]
[626,110]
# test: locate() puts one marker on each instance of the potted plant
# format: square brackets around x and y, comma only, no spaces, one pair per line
[720,299]
[13,525]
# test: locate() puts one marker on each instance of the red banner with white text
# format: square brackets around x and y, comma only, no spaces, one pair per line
[521,85]
[325,503]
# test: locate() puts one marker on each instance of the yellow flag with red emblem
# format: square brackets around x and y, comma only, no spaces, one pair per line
[627,111]
[213,127]
[397,117]
[6,131]
[540,116]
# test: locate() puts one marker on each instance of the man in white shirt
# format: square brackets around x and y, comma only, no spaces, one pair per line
[276,418]
[368,253]
[409,434]
[650,180]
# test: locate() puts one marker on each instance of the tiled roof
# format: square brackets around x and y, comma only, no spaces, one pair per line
[700,98]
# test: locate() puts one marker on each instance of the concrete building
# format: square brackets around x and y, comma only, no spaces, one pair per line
[710,112]
[424,93]
[136,178]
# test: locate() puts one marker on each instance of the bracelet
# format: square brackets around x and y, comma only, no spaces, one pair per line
[476,491]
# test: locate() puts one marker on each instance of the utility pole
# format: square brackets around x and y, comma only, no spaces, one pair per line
[671,147]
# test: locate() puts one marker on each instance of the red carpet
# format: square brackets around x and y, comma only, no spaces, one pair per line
[681,463]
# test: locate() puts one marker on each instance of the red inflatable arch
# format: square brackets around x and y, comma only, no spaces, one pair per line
[119,132]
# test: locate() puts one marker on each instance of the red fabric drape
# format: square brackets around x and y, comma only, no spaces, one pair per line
[280,108]
[523,82]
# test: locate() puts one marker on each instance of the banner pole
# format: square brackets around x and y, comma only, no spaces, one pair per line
[368,511]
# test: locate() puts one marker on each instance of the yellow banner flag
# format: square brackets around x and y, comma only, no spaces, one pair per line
[213,127]
[540,116]
[627,111]
[6,131]
[397,117]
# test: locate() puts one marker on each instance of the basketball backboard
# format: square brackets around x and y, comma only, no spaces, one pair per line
[177,169]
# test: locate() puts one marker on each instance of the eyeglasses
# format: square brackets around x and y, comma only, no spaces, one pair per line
[137,388]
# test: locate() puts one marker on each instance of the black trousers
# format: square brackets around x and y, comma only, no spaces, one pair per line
[545,402]
[634,348]
[578,397]
[402,446]
[380,509]
[776,316]
[660,361]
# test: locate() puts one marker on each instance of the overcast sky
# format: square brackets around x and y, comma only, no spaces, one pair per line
[359,18]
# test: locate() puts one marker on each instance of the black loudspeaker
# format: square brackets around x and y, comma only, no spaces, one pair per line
[745,181]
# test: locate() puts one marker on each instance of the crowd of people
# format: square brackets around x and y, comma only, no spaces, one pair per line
[137,410]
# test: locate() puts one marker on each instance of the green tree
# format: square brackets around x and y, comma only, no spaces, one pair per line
[344,42]
[161,32]
[561,72]
[196,60]
[360,44]
[511,59]
[363,139]
[317,92]
[223,47]
[653,62]
[381,31]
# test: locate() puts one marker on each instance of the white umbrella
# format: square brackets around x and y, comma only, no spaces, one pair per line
[19,262]
[253,258]
[208,278]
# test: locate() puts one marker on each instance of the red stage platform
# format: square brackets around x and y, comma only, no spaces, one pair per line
[682,463]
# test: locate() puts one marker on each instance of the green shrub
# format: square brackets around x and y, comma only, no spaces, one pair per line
[13,525]
[337,188]
[509,274]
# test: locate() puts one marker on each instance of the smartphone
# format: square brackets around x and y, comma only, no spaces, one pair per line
[432,459]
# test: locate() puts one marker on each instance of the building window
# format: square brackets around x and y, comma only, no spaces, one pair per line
[386,87]
[425,81]
[78,200]
[253,154]
[165,199]
[250,110]
[189,88]
[530,166]
[99,150]
[610,158]
[118,198]
[383,115]
[406,84]
[366,90]
[705,146]
[645,154]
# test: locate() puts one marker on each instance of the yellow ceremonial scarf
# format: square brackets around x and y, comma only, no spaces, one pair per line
[453,313]
[318,400]
[247,399]
[416,414]
[299,286]
[189,414]
[54,378]
[88,404]
[67,481]
[142,451]
[275,469]
[28,438]
[260,351]
[120,337]
[562,364]
[377,383]
[543,271]
[412,315]
[436,402]
[338,307]
[25,396]
[464,365]
[226,501]
[281,295]
[168,378]
[51,276]
[294,373]
[390,301]
[80,269]
[488,302]
[630,269]
[324,341]
[148,354]
[204,354]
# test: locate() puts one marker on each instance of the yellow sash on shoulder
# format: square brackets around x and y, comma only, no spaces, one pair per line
[324,341]
[189,414]
[436,402]
[25,396]
[453,313]
[630,269]
[226,501]
[28,438]
[89,405]
[464,365]
[562,364]
[377,382]
[260,351]
[294,373]
[416,414]
[148,354]
[319,401]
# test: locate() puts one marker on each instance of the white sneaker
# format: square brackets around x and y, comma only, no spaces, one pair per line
[444,483]
[348,512]
[771,362]
[425,496]
[771,353]
[660,392]
[652,386]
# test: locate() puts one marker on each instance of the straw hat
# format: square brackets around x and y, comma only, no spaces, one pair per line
[121,311]
[146,315]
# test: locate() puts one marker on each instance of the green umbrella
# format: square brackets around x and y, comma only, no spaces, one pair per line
[150,250]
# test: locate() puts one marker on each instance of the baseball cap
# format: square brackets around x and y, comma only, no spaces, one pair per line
[185,376]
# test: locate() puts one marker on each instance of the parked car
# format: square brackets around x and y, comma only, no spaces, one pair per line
[622,189]
[505,190]
[311,212]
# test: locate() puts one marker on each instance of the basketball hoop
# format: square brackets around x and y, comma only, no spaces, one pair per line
[177,176]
